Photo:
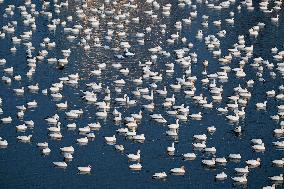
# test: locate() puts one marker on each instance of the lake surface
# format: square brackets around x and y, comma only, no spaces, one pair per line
[23,166]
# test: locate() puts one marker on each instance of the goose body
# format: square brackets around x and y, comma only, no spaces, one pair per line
[60,164]
[111,139]
[46,151]
[134,157]
[85,169]
[242,179]
[171,148]
[136,166]
[277,178]
[160,175]
[68,149]
[244,170]
[24,138]
[83,140]
[253,163]
[221,176]
[3,143]
[6,120]
[180,170]
[190,156]
[22,127]
[42,145]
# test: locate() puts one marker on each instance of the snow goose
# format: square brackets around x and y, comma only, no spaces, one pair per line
[278,178]
[244,170]
[24,138]
[178,171]
[136,166]
[110,140]
[60,164]
[241,180]
[83,141]
[253,163]
[6,120]
[3,143]
[68,149]
[119,147]
[221,176]
[189,156]
[134,157]
[171,149]
[160,175]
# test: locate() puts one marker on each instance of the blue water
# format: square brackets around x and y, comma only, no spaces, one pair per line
[23,166]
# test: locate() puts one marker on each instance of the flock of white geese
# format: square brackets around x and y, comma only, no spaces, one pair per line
[111,101]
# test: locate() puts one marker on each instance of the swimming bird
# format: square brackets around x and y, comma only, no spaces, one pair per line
[134,157]
[85,169]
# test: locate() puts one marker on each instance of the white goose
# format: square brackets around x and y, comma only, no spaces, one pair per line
[119,147]
[171,149]
[277,178]
[83,141]
[21,127]
[55,129]
[253,163]
[174,126]
[136,166]
[242,179]
[180,170]
[42,145]
[221,176]
[160,175]
[261,105]
[209,162]
[134,157]
[68,149]
[62,105]
[6,119]
[46,151]
[24,138]
[3,143]
[111,139]
[244,170]
[189,156]
[85,169]
[60,164]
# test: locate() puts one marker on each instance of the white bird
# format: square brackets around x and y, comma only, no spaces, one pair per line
[68,149]
[160,175]
[242,179]
[83,140]
[189,156]
[111,139]
[180,170]
[85,169]
[277,178]
[119,147]
[171,149]
[42,145]
[244,170]
[46,151]
[3,143]
[24,138]
[6,119]
[60,164]
[136,166]
[21,127]
[253,163]
[221,176]
[134,157]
